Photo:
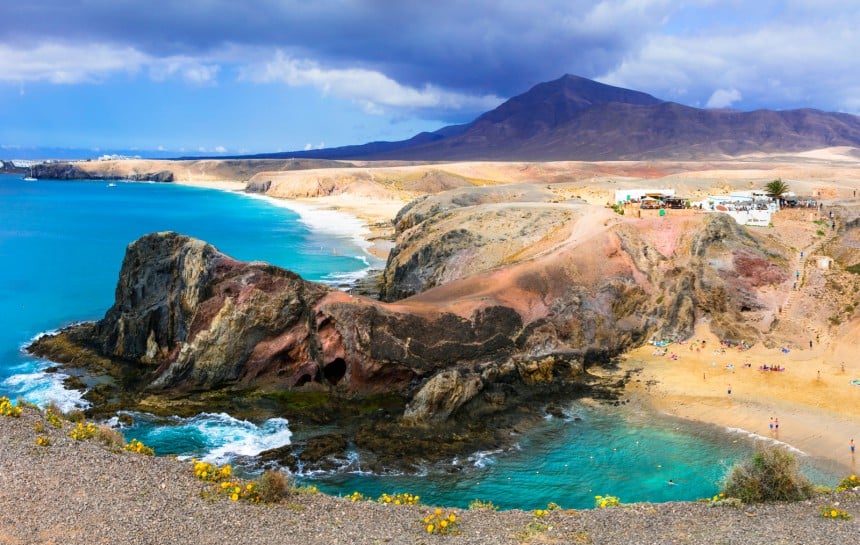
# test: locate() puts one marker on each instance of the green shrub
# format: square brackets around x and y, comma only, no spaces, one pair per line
[273,486]
[477,504]
[772,474]
[110,438]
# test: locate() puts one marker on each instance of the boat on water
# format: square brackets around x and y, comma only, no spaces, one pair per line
[111,184]
[30,179]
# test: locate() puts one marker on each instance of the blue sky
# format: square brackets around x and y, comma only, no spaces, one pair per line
[216,77]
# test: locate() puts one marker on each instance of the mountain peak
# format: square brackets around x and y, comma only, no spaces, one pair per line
[554,103]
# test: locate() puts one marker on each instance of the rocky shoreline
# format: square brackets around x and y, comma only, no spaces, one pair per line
[77,492]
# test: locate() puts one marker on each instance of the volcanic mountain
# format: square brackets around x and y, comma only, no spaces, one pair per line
[574,118]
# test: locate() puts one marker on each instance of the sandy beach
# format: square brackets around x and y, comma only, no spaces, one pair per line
[817,404]
[367,221]
[816,416]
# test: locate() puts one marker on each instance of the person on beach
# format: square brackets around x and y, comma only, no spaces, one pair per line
[851,445]
[771,425]
[776,426]
[730,389]
[810,343]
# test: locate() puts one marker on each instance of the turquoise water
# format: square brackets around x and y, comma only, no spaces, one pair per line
[61,246]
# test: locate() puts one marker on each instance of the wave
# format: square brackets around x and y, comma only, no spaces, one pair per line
[345,279]
[43,388]
[324,220]
[771,440]
[214,437]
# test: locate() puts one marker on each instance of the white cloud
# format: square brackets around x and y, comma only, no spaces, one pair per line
[189,69]
[87,63]
[801,63]
[373,90]
[723,98]
[219,149]
[59,63]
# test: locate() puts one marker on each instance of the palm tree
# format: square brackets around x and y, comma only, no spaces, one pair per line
[776,189]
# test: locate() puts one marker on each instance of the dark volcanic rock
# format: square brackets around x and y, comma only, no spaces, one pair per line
[192,329]
[69,171]
[573,118]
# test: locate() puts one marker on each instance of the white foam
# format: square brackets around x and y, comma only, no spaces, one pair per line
[326,221]
[770,440]
[483,458]
[43,388]
[230,437]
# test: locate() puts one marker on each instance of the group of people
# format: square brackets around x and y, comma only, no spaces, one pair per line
[774,426]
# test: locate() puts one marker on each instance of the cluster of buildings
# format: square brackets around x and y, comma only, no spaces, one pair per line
[746,207]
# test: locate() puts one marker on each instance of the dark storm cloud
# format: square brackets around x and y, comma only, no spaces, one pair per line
[479,47]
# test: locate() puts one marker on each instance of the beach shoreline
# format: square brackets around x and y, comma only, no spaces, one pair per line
[816,412]
[366,222]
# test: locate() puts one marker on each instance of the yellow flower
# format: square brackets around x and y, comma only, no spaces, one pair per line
[429,528]
[833,513]
[225,485]
[452,517]
[234,497]
[443,523]
[438,511]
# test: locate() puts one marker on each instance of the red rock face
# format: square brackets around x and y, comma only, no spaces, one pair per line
[201,320]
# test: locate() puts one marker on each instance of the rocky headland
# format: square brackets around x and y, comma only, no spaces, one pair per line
[496,301]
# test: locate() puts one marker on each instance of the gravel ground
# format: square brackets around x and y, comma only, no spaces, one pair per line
[80,493]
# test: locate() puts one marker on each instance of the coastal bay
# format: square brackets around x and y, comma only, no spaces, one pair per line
[594,190]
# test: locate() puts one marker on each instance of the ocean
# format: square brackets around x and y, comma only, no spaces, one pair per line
[61,246]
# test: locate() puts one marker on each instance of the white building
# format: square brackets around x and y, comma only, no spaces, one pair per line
[627,195]
[746,207]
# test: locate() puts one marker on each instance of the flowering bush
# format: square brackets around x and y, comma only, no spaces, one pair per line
[480,504]
[136,446]
[83,431]
[848,482]
[7,409]
[606,501]
[357,496]
[540,513]
[440,523]
[399,499]
[236,491]
[208,472]
[43,441]
[53,418]
[831,512]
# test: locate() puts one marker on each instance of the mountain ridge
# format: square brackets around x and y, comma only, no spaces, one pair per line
[574,118]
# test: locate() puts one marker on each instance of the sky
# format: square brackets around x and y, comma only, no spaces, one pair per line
[216,77]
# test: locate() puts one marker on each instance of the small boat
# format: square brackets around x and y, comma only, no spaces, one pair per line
[30,179]
[111,184]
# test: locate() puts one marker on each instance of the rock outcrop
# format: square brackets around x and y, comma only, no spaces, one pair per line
[70,171]
[188,318]
[438,373]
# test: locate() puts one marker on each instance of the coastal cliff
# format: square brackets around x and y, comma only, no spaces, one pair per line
[190,318]
[71,171]
[472,353]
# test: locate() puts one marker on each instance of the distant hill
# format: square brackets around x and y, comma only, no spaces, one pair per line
[574,118]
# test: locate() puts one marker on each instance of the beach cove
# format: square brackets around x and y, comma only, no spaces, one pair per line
[728,439]
[816,394]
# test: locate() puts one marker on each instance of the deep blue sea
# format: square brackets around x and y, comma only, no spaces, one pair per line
[61,247]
